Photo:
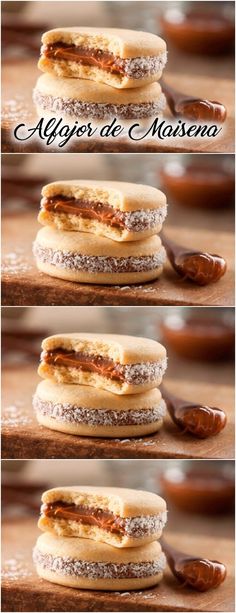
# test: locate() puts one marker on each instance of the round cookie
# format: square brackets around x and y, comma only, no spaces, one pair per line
[120,517]
[119,58]
[117,363]
[79,98]
[74,257]
[88,411]
[84,564]
[120,211]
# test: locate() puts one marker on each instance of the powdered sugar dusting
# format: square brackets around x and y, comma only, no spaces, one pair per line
[15,569]
[15,109]
[15,262]
[15,416]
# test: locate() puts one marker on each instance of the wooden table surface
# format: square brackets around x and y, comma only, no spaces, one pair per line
[23,285]
[23,437]
[23,590]
[18,108]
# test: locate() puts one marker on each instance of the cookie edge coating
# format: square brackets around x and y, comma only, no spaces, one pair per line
[99,278]
[100,584]
[107,431]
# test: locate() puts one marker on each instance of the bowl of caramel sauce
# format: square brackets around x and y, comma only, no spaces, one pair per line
[196,338]
[197,31]
[196,186]
[198,490]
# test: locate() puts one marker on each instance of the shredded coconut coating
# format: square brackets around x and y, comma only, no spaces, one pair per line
[140,67]
[136,374]
[144,525]
[95,110]
[98,570]
[95,264]
[137,221]
[97,417]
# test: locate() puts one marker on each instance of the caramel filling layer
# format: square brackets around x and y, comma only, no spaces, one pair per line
[85,515]
[89,363]
[88,57]
[87,210]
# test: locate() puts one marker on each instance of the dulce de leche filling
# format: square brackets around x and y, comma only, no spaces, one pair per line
[88,210]
[90,363]
[88,57]
[85,515]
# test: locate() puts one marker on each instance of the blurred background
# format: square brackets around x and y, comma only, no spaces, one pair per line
[199,188]
[200,35]
[194,337]
[199,495]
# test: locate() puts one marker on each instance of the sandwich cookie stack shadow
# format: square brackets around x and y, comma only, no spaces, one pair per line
[100,74]
[101,385]
[123,219]
[101,538]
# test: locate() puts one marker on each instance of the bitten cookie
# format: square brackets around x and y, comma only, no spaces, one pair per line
[78,98]
[120,58]
[88,411]
[119,364]
[120,211]
[117,516]
[74,257]
[84,564]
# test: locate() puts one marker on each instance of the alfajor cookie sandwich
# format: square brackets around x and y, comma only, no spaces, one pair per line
[89,411]
[120,58]
[75,257]
[119,364]
[120,211]
[78,98]
[84,564]
[117,516]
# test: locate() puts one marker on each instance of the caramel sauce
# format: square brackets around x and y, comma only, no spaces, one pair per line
[200,267]
[88,210]
[88,363]
[201,574]
[85,515]
[88,57]
[199,420]
[199,108]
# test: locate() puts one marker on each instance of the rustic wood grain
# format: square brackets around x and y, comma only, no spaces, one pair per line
[24,591]
[27,439]
[27,286]
[20,91]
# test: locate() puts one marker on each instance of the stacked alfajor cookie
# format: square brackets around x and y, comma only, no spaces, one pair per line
[101,538]
[123,220]
[101,385]
[101,73]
